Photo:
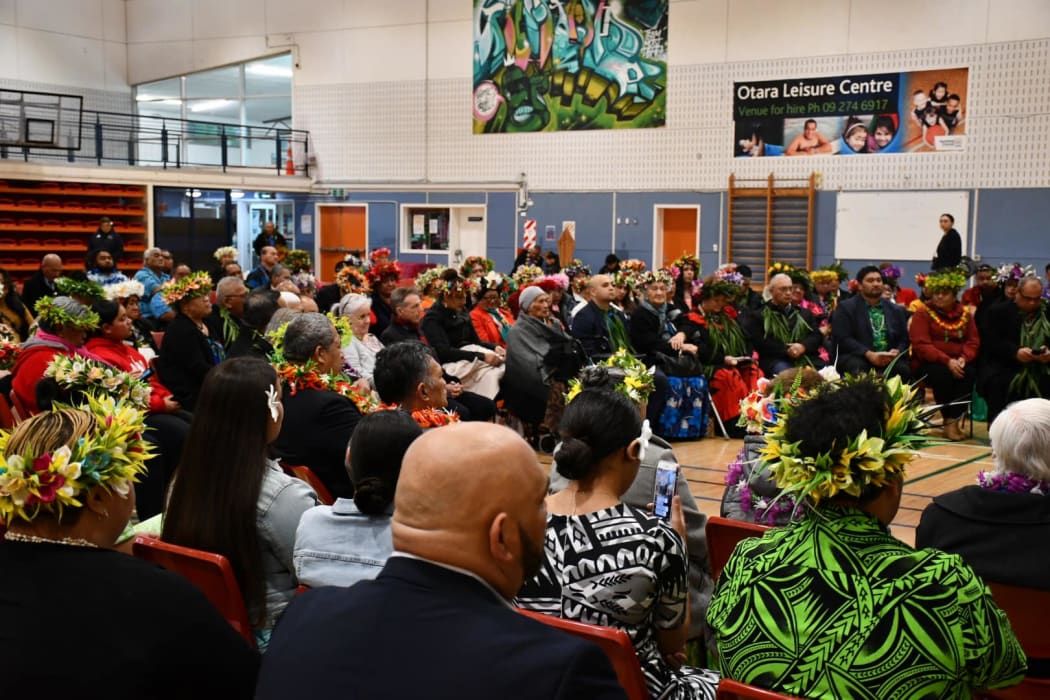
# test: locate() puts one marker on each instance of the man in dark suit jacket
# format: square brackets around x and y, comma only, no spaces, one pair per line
[1006,351]
[318,423]
[468,529]
[42,283]
[590,325]
[870,332]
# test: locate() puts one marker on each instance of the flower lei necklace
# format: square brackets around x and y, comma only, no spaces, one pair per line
[958,326]
[305,376]
[1011,482]
[426,417]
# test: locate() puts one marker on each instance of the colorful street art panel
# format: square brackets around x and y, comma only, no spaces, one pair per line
[569,65]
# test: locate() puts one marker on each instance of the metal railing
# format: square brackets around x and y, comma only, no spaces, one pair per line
[137,140]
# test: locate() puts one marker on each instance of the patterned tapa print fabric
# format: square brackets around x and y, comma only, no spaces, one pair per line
[620,567]
[835,607]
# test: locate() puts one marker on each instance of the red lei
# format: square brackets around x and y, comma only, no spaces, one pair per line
[427,417]
[297,377]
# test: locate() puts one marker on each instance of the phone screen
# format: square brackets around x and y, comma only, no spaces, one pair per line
[666,485]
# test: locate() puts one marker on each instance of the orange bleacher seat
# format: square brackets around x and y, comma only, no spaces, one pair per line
[52,243]
[29,203]
[51,223]
[7,242]
[50,203]
[72,186]
[735,690]
[28,242]
[71,204]
[614,642]
[94,206]
[210,572]
[72,223]
[723,534]
[29,224]
[5,202]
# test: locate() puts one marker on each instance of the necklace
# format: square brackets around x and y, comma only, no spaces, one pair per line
[1011,482]
[935,316]
[68,541]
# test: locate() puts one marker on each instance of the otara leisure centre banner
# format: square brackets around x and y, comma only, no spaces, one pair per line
[916,112]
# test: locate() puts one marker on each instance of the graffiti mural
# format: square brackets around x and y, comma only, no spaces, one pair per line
[567,65]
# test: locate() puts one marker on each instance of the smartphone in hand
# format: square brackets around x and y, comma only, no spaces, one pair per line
[666,487]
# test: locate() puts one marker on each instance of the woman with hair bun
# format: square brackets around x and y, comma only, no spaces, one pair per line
[593,536]
[350,540]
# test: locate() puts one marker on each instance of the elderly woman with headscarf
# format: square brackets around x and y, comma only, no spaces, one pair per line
[63,327]
[360,349]
[1001,526]
[540,360]
[65,494]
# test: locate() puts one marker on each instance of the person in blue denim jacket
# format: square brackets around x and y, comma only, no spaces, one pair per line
[350,540]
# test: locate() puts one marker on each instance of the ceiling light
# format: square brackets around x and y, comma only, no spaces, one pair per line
[209,105]
[269,71]
[236,194]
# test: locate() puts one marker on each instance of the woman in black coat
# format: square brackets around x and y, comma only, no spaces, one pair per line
[949,250]
[190,346]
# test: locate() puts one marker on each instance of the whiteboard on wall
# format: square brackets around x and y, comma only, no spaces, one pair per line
[896,225]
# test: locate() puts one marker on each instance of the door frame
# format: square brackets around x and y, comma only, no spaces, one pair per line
[658,230]
[318,228]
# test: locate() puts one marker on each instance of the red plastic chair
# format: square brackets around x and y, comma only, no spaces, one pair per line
[723,535]
[7,418]
[1028,610]
[20,411]
[735,690]
[307,474]
[210,572]
[616,645]
[158,338]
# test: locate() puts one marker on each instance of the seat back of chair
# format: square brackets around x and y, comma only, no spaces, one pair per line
[307,474]
[7,418]
[735,690]
[723,534]
[158,338]
[616,645]
[210,572]
[1029,612]
[20,412]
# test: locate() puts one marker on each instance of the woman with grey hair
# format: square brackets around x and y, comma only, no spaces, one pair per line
[361,348]
[63,325]
[1001,527]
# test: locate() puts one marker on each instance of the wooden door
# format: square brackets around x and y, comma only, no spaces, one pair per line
[679,233]
[342,229]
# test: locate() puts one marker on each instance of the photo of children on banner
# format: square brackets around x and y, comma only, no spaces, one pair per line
[935,112]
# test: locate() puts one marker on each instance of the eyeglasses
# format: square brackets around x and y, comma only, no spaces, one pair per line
[1028,298]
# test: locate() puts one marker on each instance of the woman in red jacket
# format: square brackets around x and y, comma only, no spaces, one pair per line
[944,345]
[170,424]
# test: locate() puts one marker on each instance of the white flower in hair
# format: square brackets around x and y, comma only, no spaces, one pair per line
[643,439]
[273,402]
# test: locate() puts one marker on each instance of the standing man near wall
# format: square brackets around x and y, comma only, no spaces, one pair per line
[269,236]
[106,238]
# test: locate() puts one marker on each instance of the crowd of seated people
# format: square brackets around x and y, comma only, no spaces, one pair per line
[352,391]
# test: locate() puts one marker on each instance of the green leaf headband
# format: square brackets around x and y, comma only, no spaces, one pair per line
[85,289]
[54,316]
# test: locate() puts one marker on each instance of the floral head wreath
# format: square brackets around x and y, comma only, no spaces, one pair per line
[633,265]
[351,279]
[763,407]
[866,461]
[55,315]
[97,379]
[123,290]
[378,253]
[800,276]
[463,285]
[1013,271]
[427,277]
[196,284]
[526,275]
[890,272]
[575,269]
[558,278]
[304,281]
[952,280]
[779,268]
[503,284]
[468,264]
[80,289]
[837,268]
[822,275]
[687,260]
[113,456]
[637,383]
[665,276]
[376,273]
[222,252]
[297,261]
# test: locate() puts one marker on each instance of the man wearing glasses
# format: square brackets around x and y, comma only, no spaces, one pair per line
[1016,361]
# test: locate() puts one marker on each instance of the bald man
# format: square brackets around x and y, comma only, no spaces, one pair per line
[42,283]
[468,528]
